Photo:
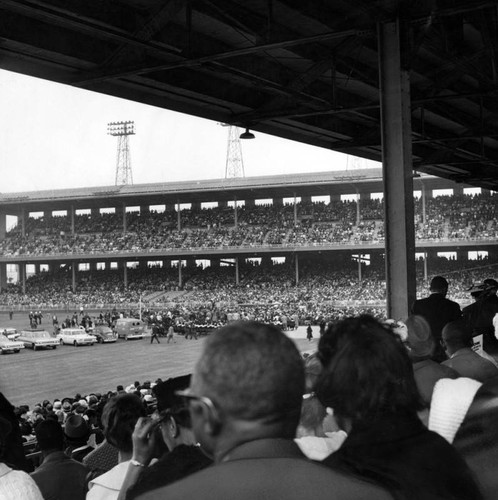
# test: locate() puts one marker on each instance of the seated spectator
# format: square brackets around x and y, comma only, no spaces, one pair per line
[421,349]
[119,417]
[77,433]
[245,401]
[13,452]
[317,433]
[58,477]
[14,484]
[182,457]
[368,381]
[102,459]
[457,341]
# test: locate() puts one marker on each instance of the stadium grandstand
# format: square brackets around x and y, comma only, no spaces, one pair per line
[161,243]
[386,408]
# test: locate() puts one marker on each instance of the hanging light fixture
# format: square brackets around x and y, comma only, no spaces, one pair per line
[247,135]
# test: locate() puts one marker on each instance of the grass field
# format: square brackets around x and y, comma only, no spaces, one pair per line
[32,376]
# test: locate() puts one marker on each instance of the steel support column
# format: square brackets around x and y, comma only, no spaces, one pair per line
[125,275]
[426,256]
[297,269]
[235,213]
[237,271]
[124,219]
[23,222]
[424,195]
[295,210]
[3,225]
[74,265]
[397,171]
[71,214]
[21,270]
[3,276]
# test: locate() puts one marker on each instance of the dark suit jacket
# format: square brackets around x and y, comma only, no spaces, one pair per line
[399,453]
[427,372]
[61,478]
[438,311]
[269,469]
[181,462]
[469,364]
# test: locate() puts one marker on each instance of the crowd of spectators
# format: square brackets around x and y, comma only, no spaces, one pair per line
[266,292]
[273,423]
[309,224]
[408,432]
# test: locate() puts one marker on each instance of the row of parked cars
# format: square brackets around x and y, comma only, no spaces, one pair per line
[12,341]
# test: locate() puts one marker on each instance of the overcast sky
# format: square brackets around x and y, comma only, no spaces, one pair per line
[55,136]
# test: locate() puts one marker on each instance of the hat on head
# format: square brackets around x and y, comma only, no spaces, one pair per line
[76,427]
[451,399]
[92,400]
[419,336]
[57,405]
[165,392]
[66,406]
[491,283]
[48,433]
[477,288]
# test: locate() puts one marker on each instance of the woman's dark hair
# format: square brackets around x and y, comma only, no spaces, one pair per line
[119,418]
[367,373]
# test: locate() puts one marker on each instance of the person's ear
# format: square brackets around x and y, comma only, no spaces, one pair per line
[172,428]
[208,419]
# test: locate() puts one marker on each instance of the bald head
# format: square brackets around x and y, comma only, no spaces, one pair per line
[456,335]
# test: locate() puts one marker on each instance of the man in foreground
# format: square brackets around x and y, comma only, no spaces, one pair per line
[438,311]
[457,340]
[58,477]
[245,402]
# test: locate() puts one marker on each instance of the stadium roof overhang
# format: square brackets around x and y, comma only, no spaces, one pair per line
[250,188]
[303,70]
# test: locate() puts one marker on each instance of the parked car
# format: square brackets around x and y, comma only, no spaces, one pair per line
[75,336]
[37,339]
[129,328]
[7,345]
[10,333]
[104,334]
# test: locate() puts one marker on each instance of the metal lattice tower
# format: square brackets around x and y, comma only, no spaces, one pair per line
[235,164]
[122,130]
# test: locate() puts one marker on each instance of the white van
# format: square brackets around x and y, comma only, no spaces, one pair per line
[129,328]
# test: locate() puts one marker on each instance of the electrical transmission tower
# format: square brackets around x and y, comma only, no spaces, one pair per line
[235,164]
[122,130]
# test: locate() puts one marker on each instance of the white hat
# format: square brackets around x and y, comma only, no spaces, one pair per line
[451,399]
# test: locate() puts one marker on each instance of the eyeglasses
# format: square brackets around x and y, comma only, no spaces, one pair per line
[201,399]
